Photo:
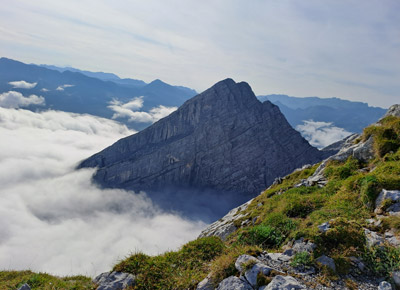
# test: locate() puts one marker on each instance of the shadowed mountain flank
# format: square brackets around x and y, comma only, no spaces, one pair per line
[222,139]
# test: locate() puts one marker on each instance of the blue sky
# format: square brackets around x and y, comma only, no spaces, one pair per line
[333,48]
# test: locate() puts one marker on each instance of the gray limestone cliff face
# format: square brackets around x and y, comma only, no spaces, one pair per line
[223,139]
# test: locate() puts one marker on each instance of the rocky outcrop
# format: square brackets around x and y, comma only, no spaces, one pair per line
[225,226]
[233,283]
[394,110]
[223,139]
[24,287]
[384,286]
[283,283]
[326,261]
[114,281]
[362,151]
[392,198]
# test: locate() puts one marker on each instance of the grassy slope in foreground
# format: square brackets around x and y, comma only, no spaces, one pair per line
[283,213]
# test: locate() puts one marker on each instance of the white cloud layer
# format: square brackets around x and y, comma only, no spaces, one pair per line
[321,134]
[22,85]
[62,87]
[129,110]
[52,218]
[14,99]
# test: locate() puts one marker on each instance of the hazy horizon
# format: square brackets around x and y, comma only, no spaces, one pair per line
[346,49]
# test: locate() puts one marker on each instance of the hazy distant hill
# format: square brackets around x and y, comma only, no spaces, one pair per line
[352,116]
[75,91]
[99,75]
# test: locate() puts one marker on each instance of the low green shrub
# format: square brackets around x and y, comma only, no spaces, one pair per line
[369,189]
[302,259]
[340,170]
[280,221]
[342,236]
[299,207]
[262,235]
[382,260]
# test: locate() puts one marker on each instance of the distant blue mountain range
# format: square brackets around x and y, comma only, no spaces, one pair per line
[73,90]
[351,116]
[100,75]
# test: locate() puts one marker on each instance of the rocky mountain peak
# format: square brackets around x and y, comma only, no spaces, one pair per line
[394,110]
[222,139]
[227,93]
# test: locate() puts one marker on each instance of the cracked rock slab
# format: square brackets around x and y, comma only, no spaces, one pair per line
[283,283]
[114,281]
[234,283]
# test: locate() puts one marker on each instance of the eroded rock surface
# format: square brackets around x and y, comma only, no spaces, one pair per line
[114,281]
[223,138]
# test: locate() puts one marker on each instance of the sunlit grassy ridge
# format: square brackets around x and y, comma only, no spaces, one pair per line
[283,213]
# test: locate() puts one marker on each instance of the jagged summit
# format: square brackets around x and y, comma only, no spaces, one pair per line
[223,139]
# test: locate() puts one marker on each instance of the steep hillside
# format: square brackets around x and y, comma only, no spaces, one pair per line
[337,224]
[223,139]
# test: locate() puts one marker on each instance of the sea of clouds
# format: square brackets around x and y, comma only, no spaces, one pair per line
[130,110]
[321,134]
[52,218]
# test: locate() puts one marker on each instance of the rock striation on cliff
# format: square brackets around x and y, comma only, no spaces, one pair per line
[223,139]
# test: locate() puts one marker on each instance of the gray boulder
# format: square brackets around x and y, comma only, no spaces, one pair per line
[373,239]
[24,287]
[251,275]
[394,110]
[393,195]
[384,286]
[114,281]
[283,283]
[394,209]
[323,228]
[396,279]
[205,284]
[244,260]
[234,283]
[301,246]
[392,239]
[280,257]
[364,151]
[327,261]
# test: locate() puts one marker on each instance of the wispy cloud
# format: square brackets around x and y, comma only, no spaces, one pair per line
[62,87]
[129,110]
[14,99]
[52,218]
[321,134]
[301,48]
[22,85]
